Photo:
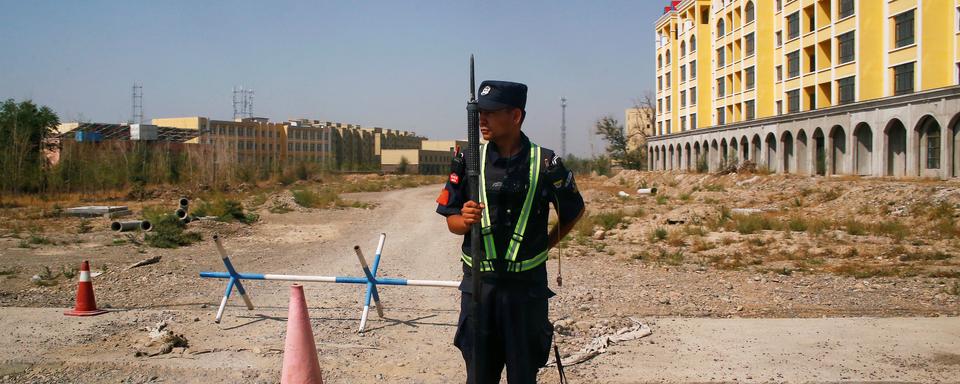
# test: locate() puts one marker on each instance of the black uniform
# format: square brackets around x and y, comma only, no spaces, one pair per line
[517,332]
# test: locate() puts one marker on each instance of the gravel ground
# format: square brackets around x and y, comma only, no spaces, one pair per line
[709,323]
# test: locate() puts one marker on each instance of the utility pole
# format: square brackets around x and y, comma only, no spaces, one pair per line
[563,127]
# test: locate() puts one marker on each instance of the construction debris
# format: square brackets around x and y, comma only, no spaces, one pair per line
[162,341]
[125,226]
[600,343]
[152,260]
[108,211]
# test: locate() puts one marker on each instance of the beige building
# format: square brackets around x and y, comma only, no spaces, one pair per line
[419,161]
[639,125]
[338,146]
[432,158]
[444,145]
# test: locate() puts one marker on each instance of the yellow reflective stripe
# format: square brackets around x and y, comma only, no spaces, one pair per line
[527,265]
[485,266]
[514,248]
[519,266]
[485,218]
[489,247]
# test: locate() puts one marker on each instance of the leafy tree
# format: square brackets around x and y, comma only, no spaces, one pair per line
[24,128]
[617,143]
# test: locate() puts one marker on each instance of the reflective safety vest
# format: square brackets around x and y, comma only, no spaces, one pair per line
[513,248]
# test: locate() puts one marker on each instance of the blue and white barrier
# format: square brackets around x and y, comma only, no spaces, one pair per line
[370,279]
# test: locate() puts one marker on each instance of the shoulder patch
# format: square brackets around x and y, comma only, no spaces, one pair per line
[444,197]
[454,178]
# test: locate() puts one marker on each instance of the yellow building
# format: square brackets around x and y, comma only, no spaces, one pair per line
[780,65]
[249,140]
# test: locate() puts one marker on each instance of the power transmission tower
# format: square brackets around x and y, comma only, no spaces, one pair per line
[242,102]
[136,116]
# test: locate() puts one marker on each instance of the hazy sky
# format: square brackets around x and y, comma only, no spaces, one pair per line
[394,64]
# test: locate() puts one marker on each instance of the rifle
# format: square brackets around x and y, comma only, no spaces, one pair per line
[473,176]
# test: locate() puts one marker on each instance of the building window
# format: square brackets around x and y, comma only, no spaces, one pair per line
[683,48]
[693,96]
[793,101]
[846,89]
[720,28]
[659,105]
[779,37]
[793,64]
[668,57]
[667,102]
[751,44]
[693,121]
[779,70]
[904,28]
[683,99]
[846,8]
[846,47]
[693,44]
[793,25]
[933,146]
[693,70]
[779,107]
[659,127]
[666,126]
[683,123]
[779,5]
[659,61]
[720,57]
[683,73]
[720,117]
[812,61]
[903,79]
[667,77]
[659,83]
[720,87]
[751,107]
[750,11]
[751,77]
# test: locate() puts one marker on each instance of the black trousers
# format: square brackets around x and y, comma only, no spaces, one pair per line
[515,330]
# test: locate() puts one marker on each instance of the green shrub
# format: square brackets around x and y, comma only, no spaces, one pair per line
[797,224]
[854,227]
[658,234]
[224,210]
[168,232]
[310,199]
[749,224]
[892,229]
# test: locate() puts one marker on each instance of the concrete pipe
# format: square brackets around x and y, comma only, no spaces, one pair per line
[187,219]
[125,226]
[181,213]
[184,203]
[647,191]
[146,226]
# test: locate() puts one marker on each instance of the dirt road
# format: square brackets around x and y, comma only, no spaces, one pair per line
[39,345]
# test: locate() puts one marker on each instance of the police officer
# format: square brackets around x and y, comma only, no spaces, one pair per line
[518,181]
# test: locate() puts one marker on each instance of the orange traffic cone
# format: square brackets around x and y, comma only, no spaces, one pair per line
[300,364]
[86,304]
